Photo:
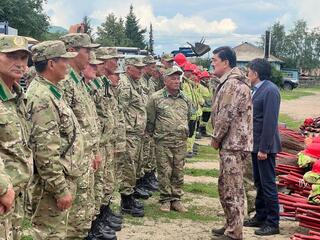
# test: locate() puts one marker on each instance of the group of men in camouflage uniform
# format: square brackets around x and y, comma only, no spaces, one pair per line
[83,125]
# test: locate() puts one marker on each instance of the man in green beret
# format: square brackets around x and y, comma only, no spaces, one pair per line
[16,165]
[56,140]
[168,115]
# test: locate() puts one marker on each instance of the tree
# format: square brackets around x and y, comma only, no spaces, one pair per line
[25,15]
[133,31]
[151,41]
[86,21]
[299,47]
[112,32]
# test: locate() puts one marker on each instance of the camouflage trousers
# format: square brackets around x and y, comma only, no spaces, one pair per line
[104,177]
[83,207]
[250,190]
[11,223]
[231,190]
[129,165]
[170,164]
[147,157]
[49,222]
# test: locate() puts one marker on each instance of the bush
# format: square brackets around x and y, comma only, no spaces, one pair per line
[276,77]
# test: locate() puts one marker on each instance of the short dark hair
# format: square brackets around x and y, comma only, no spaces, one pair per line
[227,53]
[42,65]
[262,67]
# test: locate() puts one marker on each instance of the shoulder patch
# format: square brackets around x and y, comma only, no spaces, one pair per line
[55,92]
[3,94]
[74,77]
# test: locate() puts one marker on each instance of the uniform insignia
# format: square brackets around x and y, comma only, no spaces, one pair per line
[19,41]
[95,81]
[74,77]
[3,94]
[55,92]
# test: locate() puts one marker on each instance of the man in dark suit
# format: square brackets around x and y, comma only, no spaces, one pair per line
[266,144]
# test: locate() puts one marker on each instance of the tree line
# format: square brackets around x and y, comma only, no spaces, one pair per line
[29,18]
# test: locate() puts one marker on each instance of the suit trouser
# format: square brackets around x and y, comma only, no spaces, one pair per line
[231,190]
[267,203]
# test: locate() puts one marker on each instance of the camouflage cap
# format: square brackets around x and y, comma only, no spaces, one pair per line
[167,57]
[78,40]
[10,43]
[93,60]
[172,70]
[50,49]
[105,53]
[149,60]
[137,62]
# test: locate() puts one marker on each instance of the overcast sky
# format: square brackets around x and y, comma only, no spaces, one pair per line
[222,22]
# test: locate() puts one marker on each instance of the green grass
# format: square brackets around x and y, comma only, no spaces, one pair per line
[210,190]
[201,172]
[290,122]
[152,211]
[206,154]
[298,93]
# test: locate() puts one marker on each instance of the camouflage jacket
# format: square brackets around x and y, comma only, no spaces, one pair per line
[134,107]
[77,95]
[119,133]
[16,164]
[168,117]
[56,137]
[232,112]
[148,84]
[106,105]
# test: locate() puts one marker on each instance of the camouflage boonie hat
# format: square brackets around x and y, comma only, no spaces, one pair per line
[93,60]
[78,40]
[137,62]
[50,49]
[171,71]
[149,60]
[10,43]
[167,57]
[105,53]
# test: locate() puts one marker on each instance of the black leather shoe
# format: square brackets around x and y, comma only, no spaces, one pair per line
[253,222]
[140,193]
[218,231]
[267,231]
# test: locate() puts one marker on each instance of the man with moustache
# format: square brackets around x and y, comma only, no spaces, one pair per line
[16,164]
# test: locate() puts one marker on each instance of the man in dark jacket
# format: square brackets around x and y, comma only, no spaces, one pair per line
[266,144]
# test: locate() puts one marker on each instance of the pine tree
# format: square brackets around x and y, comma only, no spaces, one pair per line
[86,21]
[133,31]
[151,41]
[112,32]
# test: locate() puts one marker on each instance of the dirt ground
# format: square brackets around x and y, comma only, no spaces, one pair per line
[184,229]
[302,108]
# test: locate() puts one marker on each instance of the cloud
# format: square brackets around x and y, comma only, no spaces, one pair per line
[309,11]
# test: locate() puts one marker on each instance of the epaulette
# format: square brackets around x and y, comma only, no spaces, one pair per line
[3,94]
[74,77]
[95,81]
[55,92]
[165,93]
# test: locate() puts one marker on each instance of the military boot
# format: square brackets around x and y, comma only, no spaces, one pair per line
[148,183]
[101,231]
[107,211]
[129,206]
[139,192]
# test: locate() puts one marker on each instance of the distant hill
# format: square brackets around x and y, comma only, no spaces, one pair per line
[57,29]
